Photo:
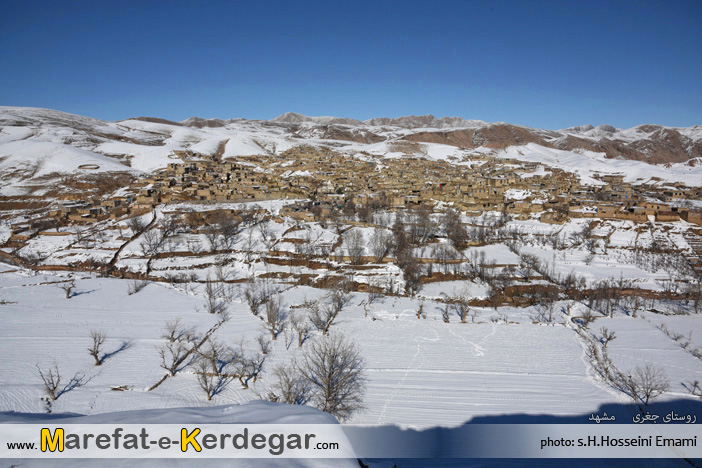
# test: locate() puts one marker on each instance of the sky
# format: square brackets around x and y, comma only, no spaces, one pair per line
[545,64]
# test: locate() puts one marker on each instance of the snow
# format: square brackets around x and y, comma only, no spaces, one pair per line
[448,373]
[588,163]
[517,194]
[42,158]
[639,341]
[53,141]
[420,373]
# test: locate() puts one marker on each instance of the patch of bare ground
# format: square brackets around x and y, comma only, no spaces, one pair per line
[96,184]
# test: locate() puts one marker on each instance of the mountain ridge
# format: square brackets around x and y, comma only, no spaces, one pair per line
[32,140]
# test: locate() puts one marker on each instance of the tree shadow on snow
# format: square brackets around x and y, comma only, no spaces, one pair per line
[123,347]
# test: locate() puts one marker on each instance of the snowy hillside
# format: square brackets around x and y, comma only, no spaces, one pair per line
[588,163]
[38,145]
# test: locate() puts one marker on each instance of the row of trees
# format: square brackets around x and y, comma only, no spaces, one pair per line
[642,384]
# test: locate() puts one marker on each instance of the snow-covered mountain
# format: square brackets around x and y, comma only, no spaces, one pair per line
[426,121]
[38,144]
[292,117]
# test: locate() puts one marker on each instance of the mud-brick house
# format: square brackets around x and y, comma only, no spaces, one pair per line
[204,194]
[667,216]
[321,209]
[115,202]
[582,211]
[397,202]
[651,208]
[88,214]
[606,211]
[631,214]
[149,196]
[693,217]
[117,213]
[516,207]
[298,210]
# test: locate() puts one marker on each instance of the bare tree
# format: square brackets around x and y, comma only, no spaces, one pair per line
[339,295]
[444,254]
[374,291]
[462,308]
[173,356]
[152,240]
[635,302]
[381,244]
[290,387]
[213,304]
[445,313]
[322,316]
[607,336]
[588,317]
[136,225]
[205,378]
[275,316]
[269,242]
[264,229]
[693,293]
[170,225]
[228,227]
[250,246]
[194,244]
[211,233]
[174,330]
[528,265]
[423,227]
[412,271]
[247,367]
[210,382]
[215,354]
[354,243]
[263,343]
[52,379]
[301,326]
[68,287]
[334,369]
[546,309]
[210,368]
[253,295]
[95,348]
[455,232]
[134,286]
[646,383]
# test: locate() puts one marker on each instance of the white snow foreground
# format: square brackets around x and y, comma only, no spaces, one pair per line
[420,373]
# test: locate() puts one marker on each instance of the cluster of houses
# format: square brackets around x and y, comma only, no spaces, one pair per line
[331,180]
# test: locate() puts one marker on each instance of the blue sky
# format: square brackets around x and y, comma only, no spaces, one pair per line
[546,64]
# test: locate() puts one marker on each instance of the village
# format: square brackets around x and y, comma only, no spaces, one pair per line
[312,240]
[329,181]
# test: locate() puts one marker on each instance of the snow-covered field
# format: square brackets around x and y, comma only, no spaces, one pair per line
[420,372]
